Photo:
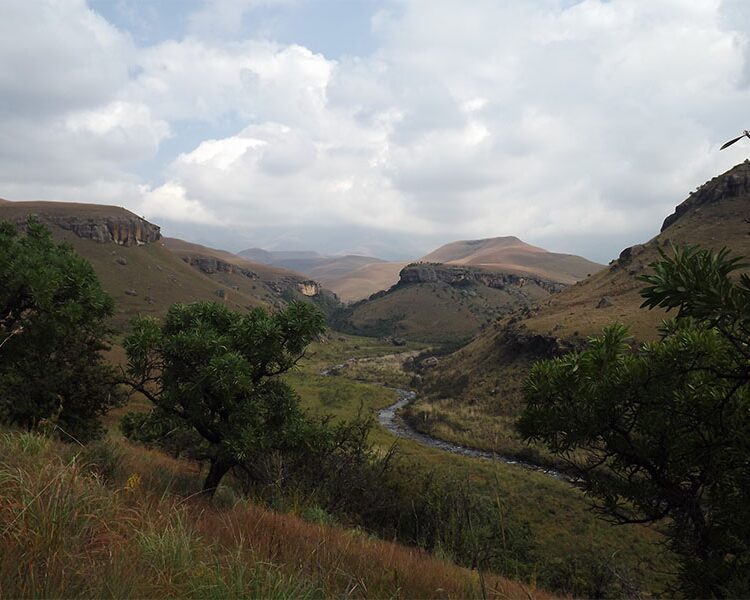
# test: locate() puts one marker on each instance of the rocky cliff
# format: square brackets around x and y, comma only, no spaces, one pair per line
[730,185]
[462,276]
[126,229]
[309,288]
[211,265]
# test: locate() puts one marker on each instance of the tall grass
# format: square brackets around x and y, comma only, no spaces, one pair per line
[105,523]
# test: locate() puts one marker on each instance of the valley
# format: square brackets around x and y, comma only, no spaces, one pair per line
[475,395]
[364,373]
[446,349]
[363,300]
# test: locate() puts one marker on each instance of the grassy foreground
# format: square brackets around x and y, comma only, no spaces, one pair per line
[115,521]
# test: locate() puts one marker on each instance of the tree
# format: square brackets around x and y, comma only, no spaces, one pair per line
[53,330]
[661,432]
[217,373]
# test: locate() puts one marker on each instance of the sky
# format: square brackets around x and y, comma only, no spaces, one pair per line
[375,127]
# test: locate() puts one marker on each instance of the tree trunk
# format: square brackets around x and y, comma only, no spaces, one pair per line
[219,468]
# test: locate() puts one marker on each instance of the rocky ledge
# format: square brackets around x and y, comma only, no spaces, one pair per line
[733,183]
[211,265]
[461,276]
[125,230]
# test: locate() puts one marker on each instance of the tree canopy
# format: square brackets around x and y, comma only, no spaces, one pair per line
[53,329]
[660,432]
[215,373]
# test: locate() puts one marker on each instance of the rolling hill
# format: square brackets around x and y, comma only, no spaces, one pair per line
[352,277]
[511,255]
[493,366]
[140,271]
[463,287]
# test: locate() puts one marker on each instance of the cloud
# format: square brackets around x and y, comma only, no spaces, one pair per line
[170,201]
[573,124]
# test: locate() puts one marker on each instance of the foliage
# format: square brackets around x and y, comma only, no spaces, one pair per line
[64,533]
[216,373]
[53,329]
[662,434]
[336,472]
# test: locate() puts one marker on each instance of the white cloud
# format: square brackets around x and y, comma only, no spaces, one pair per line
[170,201]
[543,120]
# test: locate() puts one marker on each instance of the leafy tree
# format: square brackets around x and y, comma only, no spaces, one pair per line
[53,329]
[661,432]
[216,373]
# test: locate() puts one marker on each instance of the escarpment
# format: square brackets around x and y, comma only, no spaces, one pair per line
[123,231]
[727,186]
[461,276]
[102,224]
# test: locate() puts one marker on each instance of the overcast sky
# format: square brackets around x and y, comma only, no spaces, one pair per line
[384,127]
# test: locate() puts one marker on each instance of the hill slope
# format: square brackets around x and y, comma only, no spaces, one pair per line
[492,367]
[352,277]
[135,265]
[463,287]
[244,278]
[362,281]
[511,255]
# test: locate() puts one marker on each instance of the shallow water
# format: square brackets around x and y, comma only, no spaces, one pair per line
[390,419]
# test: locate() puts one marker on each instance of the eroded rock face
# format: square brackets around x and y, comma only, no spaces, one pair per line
[210,265]
[460,276]
[731,184]
[309,288]
[125,231]
[518,341]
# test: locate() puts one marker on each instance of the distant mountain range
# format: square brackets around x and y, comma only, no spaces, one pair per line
[146,273]
[469,284]
[454,291]
[355,277]
[511,255]
[352,277]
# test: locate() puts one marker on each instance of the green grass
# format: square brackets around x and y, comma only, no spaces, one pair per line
[559,514]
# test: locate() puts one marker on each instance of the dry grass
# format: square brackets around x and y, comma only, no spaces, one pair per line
[103,522]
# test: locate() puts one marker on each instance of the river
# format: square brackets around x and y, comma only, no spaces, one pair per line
[392,421]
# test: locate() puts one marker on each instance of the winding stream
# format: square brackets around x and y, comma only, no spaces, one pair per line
[391,420]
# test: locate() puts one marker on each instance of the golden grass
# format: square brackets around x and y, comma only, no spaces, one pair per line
[64,532]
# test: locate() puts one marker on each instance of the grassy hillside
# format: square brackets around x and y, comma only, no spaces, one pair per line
[449,305]
[240,278]
[567,533]
[351,277]
[114,520]
[364,281]
[146,278]
[509,254]
[492,367]
[435,311]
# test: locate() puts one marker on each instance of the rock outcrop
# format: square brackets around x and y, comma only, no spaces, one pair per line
[463,276]
[731,184]
[309,288]
[211,265]
[125,230]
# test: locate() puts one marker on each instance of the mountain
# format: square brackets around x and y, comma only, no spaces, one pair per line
[143,275]
[462,287]
[363,281]
[493,366]
[352,277]
[239,276]
[276,257]
[511,255]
